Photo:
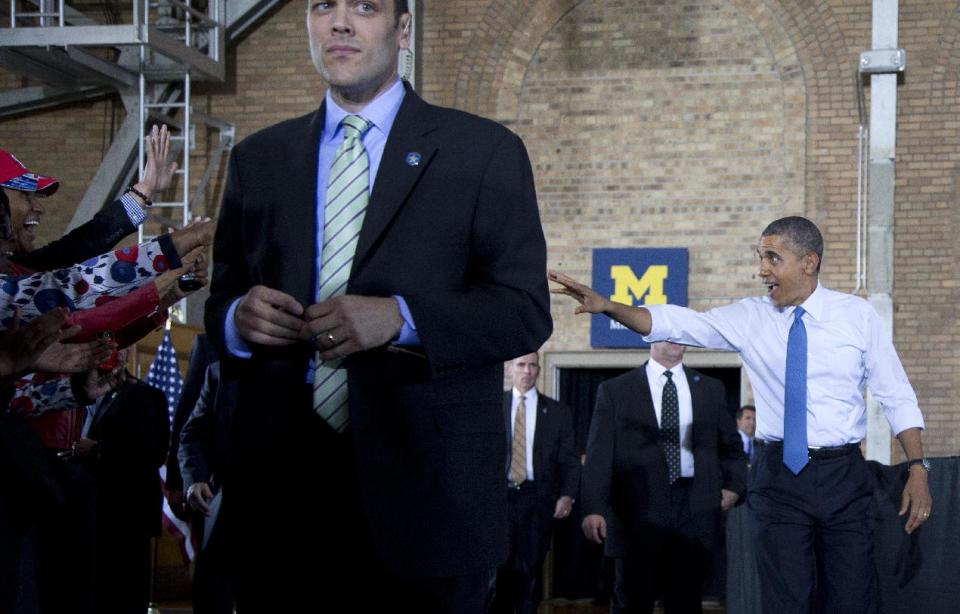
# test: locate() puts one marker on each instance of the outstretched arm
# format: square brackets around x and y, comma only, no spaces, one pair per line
[635,318]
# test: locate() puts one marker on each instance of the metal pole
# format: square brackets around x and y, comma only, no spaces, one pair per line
[882,176]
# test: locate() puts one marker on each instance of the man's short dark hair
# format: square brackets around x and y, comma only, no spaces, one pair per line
[399,8]
[745,408]
[801,231]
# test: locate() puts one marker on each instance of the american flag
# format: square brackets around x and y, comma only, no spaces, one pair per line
[164,374]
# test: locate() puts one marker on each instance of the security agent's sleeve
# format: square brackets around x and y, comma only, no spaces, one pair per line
[598,468]
[100,234]
[733,460]
[230,279]
[197,433]
[503,310]
[567,460]
[200,358]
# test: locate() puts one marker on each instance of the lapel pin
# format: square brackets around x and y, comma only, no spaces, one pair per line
[413,159]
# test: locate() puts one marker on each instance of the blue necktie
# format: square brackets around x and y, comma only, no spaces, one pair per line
[795,454]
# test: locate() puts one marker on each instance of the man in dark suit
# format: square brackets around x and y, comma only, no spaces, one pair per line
[202,355]
[663,459]
[543,477]
[199,452]
[747,427]
[129,433]
[367,392]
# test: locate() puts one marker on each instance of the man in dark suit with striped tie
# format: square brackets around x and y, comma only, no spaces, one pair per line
[376,262]
[663,459]
[543,478]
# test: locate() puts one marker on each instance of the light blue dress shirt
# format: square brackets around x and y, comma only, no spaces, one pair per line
[848,348]
[382,111]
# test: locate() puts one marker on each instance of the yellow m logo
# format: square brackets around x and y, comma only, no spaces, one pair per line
[648,290]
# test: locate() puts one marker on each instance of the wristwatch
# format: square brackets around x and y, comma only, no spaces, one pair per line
[919,461]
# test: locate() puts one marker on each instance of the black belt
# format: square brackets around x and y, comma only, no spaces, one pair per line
[519,485]
[815,453]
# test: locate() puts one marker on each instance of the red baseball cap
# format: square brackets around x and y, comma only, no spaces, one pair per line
[14,175]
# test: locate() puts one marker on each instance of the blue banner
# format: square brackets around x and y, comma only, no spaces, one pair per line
[636,276]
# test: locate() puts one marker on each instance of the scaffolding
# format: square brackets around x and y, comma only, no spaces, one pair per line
[150,52]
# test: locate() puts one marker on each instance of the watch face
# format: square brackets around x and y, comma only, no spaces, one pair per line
[926,464]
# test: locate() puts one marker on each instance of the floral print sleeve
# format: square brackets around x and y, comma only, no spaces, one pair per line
[32,398]
[78,287]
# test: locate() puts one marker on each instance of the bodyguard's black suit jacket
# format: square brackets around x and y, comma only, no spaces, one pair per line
[204,436]
[201,356]
[133,429]
[556,467]
[457,235]
[625,473]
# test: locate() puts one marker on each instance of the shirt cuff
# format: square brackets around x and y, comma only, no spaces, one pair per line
[408,332]
[237,347]
[134,211]
[657,317]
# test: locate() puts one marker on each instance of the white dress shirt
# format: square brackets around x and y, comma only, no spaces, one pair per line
[530,403]
[848,348]
[657,380]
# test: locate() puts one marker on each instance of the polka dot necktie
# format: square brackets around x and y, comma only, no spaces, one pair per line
[670,427]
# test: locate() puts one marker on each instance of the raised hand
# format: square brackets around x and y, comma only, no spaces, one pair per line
[157,172]
[590,301]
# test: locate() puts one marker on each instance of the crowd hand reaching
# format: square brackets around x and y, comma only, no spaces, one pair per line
[198,233]
[168,284]
[268,317]
[22,346]
[157,172]
[199,496]
[93,384]
[590,301]
[74,357]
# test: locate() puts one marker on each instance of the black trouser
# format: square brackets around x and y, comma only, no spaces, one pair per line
[295,535]
[519,580]
[814,533]
[670,561]
[212,591]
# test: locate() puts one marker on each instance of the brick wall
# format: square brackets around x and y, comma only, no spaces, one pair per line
[653,123]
